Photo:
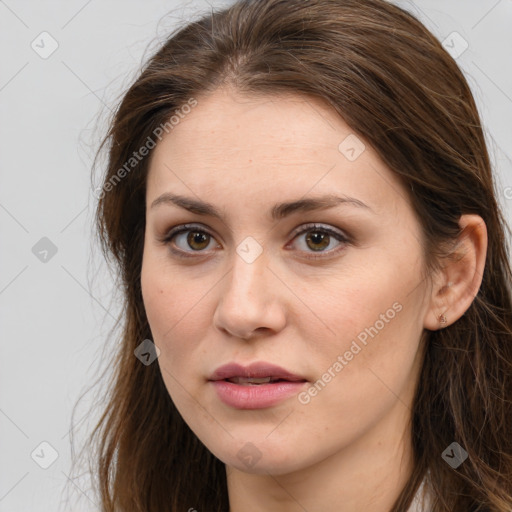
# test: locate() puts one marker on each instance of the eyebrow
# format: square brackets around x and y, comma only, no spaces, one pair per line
[278,211]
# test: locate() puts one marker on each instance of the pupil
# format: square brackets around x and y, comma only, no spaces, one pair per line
[195,236]
[318,238]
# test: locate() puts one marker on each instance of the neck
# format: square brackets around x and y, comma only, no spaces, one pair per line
[367,475]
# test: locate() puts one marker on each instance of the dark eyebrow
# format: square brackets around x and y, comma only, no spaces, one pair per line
[278,211]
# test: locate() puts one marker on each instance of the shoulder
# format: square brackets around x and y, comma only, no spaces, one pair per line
[422,501]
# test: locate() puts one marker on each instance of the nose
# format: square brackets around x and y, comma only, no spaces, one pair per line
[250,303]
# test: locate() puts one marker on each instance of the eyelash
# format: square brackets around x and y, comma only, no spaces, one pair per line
[340,237]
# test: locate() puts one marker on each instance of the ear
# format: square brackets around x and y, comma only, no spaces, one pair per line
[458,281]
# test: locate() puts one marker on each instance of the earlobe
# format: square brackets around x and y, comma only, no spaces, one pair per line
[459,280]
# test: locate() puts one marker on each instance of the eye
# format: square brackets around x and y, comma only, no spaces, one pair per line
[318,238]
[191,238]
[187,237]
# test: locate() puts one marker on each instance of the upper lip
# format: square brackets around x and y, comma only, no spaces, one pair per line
[259,369]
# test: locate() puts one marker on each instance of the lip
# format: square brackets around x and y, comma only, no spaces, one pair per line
[258,396]
[259,369]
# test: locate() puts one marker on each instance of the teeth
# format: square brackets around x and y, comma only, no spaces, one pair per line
[247,381]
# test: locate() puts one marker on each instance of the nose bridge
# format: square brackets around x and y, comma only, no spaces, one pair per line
[246,279]
[247,302]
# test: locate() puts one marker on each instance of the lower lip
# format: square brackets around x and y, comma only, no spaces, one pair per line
[257,396]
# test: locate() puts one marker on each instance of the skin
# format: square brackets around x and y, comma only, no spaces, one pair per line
[347,449]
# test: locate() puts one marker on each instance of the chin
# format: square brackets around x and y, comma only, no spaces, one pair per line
[264,466]
[260,458]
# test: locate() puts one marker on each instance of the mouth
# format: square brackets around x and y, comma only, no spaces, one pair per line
[253,381]
[255,374]
[257,386]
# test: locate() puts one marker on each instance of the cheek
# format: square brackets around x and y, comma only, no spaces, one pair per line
[362,300]
[164,294]
[375,312]
[377,354]
[176,313]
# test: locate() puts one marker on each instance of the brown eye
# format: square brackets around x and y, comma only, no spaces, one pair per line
[321,240]
[198,240]
[188,239]
[185,240]
[317,240]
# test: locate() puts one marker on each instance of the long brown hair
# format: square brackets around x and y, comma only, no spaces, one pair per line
[394,84]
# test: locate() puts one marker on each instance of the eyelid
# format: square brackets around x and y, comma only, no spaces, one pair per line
[339,235]
[183,228]
[320,227]
[303,228]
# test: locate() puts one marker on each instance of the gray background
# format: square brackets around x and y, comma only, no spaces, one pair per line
[56,309]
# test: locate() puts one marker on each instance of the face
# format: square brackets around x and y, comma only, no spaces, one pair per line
[333,295]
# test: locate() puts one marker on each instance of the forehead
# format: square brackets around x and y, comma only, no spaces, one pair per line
[254,147]
[241,124]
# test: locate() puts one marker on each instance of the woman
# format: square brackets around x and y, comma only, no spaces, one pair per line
[318,311]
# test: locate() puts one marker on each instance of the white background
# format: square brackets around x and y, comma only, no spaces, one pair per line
[55,315]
